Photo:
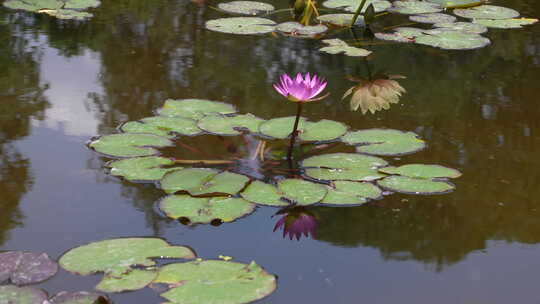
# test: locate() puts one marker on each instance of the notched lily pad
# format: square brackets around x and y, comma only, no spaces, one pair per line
[297,29]
[132,280]
[79,297]
[452,40]
[69,9]
[343,166]
[230,125]
[216,282]
[338,46]
[463,27]
[263,194]
[163,126]
[194,108]
[414,7]
[350,193]
[432,18]
[384,141]
[341,19]
[281,127]
[129,144]
[302,192]
[411,185]
[352,5]
[21,295]
[505,23]
[241,25]
[202,181]
[246,7]
[422,171]
[323,130]
[487,12]
[204,210]
[23,268]
[149,168]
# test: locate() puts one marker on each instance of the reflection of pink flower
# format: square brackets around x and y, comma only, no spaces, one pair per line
[302,88]
[295,222]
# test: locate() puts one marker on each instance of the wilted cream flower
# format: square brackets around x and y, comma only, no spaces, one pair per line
[376,94]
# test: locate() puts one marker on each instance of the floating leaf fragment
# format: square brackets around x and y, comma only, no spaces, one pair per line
[338,46]
[414,7]
[422,171]
[230,125]
[384,141]
[432,18]
[23,268]
[163,126]
[505,23]
[129,144]
[149,168]
[241,25]
[194,108]
[410,185]
[302,192]
[487,12]
[246,7]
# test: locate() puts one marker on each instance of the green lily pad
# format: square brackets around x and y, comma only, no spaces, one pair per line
[281,127]
[350,193]
[414,7]
[203,210]
[163,126]
[323,130]
[505,23]
[133,280]
[246,7]
[129,144]
[22,295]
[263,194]
[395,37]
[115,257]
[452,40]
[341,19]
[141,168]
[410,185]
[463,27]
[241,25]
[298,29]
[79,297]
[422,171]
[302,192]
[23,268]
[487,12]
[345,174]
[69,9]
[194,108]
[409,31]
[384,141]
[216,282]
[338,46]
[457,3]
[66,14]
[352,5]
[200,181]
[343,161]
[432,18]
[229,125]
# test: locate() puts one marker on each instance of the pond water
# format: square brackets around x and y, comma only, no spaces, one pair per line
[62,83]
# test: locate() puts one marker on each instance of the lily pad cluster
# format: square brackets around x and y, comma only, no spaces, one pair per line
[202,195]
[61,9]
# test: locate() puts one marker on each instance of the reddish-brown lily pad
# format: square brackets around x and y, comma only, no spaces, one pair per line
[23,268]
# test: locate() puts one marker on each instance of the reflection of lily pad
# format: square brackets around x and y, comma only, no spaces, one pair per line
[452,40]
[21,295]
[341,19]
[414,7]
[141,168]
[422,171]
[302,192]
[133,280]
[410,185]
[194,108]
[229,125]
[241,25]
[205,209]
[213,282]
[26,267]
[432,18]
[129,145]
[163,126]
[352,5]
[463,27]
[338,46]
[487,12]
[298,29]
[506,23]
[350,193]
[384,141]
[79,297]
[246,7]
[69,9]
[199,181]
[457,3]
[263,194]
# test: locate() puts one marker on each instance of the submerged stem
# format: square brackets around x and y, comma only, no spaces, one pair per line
[358,12]
[294,134]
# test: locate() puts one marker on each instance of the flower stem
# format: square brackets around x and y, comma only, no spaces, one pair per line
[294,134]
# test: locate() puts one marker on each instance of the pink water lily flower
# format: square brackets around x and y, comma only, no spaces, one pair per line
[302,88]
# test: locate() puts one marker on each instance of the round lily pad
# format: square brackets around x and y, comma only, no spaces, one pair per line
[452,40]
[66,14]
[505,23]
[230,125]
[149,168]
[422,171]
[463,27]
[68,9]
[203,210]
[129,144]
[343,161]
[194,108]
[414,7]
[132,280]
[350,193]
[324,130]
[302,192]
[432,18]
[395,37]
[215,282]
[23,268]
[241,25]
[246,7]
[457,3]
[297,29]
[345,174]
[163,126]
[281,127]
[341,19]
[352,5]
[487,12]
[22,295]
[409,31]
[410,185]
[263,194]
[384,141]
[79,297]
[338,46]
[201,181]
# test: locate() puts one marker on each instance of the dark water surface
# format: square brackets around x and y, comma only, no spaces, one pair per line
[63,82]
